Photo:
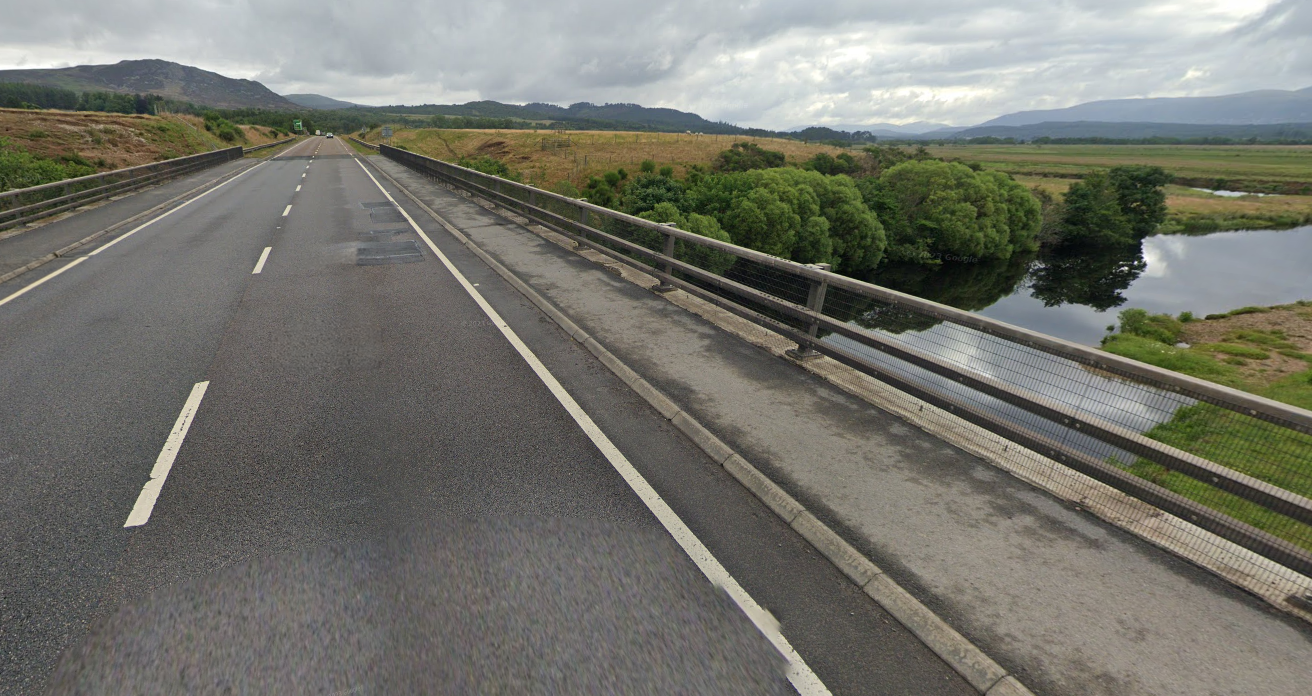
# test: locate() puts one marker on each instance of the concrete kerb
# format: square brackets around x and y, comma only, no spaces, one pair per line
[977,668]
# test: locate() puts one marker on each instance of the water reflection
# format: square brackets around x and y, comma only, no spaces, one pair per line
[1094,278]
[1074,295]
[1070,295]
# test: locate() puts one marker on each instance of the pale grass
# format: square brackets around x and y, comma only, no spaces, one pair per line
[592,152]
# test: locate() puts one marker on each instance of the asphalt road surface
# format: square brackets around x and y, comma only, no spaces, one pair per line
[272,443]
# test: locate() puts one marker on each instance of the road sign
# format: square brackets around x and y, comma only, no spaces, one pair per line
[387,131]
[296,125]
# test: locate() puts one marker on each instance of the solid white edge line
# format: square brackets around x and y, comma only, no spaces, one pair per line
[799,674]
[150,492]
[174,210]
[264,256]
[287,210]
[39,282]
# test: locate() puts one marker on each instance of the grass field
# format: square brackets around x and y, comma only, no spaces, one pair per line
[1264,351]
[1282,169]
[1257,168]
[1191,210]
[590,153]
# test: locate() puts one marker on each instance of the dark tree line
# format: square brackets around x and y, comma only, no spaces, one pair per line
[21,95]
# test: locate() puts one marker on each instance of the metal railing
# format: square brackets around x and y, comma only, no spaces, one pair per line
[1232,463]
[21,206]
[363,143]
[257,148]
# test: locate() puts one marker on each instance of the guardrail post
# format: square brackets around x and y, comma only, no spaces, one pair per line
[665,285]
[815,301]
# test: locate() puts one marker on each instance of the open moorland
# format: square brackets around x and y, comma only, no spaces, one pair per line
[539,159]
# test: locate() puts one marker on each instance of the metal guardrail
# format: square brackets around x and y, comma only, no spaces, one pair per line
[363,143]
[21,206]
[1079,406]
[257,148]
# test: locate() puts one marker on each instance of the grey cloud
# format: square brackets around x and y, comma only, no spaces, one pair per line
[773,63]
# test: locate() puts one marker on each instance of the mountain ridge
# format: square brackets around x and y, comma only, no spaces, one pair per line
[318,101]
[154,76]
[1257,107]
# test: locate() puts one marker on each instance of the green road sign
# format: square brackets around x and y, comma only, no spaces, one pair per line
[296,125]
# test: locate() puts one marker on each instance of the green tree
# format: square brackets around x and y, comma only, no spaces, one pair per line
[826,164]
[1140,194]
[795,214]
[1093,214]
[935,211]
[598,192]
[716,262]
[645,192]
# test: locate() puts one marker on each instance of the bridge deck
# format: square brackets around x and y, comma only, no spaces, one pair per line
[1068,603]
[376,493]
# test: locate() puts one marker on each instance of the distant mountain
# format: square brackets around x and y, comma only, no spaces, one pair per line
[670,119]
[886,129]
[580,116]
[1269,106]
[318,101]
[170,80]
[1134,131]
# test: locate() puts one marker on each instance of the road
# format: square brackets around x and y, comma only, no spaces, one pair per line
[276,442]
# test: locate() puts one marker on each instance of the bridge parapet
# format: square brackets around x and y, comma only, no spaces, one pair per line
[1095,413]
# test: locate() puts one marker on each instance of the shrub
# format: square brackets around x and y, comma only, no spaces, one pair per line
[565,188]
[742,157]
[1157,327]
[647,166]
[485,164]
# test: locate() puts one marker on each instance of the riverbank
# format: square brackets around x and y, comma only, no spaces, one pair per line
[1261,350]
[1191,211]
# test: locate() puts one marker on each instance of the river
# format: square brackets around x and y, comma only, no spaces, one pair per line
[1078,297]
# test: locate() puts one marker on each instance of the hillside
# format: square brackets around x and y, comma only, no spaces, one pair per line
[318,101]
[170,80]
[1132,130]
[112,141]
[1269,106]
[579,116]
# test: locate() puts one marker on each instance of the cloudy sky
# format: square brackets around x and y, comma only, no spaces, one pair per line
[769,63]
